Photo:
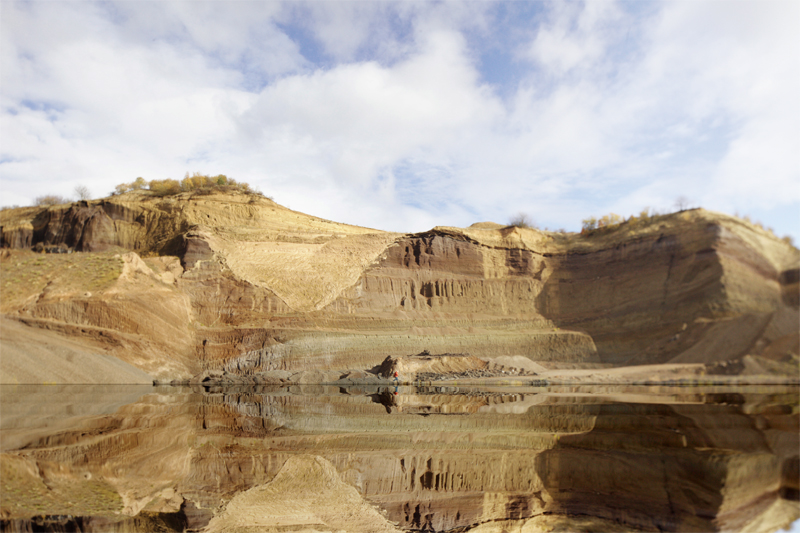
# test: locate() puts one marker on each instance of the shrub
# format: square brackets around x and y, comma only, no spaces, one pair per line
[51,199]
[165,187]
[190,183]
[609,220]
[202,181]
[195,182]
[198,181]
[521,220]
[606,221]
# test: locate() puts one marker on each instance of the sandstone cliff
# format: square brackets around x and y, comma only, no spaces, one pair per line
[178,285]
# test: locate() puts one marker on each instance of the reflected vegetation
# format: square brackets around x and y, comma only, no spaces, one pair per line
[116,458]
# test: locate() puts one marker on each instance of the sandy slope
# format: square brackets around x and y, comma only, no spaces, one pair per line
[33,355]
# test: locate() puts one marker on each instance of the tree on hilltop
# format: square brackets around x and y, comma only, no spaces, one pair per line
[82,192]
[682,203]
[521,220]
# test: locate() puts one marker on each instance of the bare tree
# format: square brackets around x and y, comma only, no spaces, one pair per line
[682,203]
[82,191]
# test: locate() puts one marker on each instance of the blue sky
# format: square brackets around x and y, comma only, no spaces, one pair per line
[404,116]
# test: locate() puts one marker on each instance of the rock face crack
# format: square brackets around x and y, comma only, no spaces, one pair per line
[667,280]
[44,292]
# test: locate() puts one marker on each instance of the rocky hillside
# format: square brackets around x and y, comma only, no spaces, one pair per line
[177,285]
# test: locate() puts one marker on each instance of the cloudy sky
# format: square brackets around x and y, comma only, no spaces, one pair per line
[407,115]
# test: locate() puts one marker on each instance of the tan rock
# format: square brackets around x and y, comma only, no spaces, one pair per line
[237,282]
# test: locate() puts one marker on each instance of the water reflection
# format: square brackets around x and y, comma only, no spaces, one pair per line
[420,459]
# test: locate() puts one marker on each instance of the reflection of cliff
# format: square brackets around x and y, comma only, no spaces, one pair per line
[256,286]
[436,460]
[681,468]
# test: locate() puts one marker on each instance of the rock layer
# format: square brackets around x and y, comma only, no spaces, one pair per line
[252,286]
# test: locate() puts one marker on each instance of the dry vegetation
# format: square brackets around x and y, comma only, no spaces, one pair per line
[24,274]
[51,199]
[522,220]
[195,182]
[613,221]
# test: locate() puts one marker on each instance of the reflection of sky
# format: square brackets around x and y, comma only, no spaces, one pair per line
[417,114]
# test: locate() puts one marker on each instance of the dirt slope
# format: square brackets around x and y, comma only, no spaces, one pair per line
[33,355]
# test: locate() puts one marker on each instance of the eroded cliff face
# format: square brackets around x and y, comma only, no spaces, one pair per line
[237,282]
[698,288]
[113,304]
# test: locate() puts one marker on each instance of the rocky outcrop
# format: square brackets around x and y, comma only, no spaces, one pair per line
[654,298]
[95,226]
[255,287]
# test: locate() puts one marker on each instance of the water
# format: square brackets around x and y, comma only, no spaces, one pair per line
[130,458]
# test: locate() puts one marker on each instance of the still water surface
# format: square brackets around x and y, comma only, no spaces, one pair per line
[129,458]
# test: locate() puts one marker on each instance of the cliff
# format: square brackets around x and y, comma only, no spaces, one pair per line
[233,281]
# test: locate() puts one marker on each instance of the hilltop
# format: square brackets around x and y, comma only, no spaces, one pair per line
[231,281]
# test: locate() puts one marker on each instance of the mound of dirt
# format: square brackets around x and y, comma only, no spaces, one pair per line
[486,225]
[407,367]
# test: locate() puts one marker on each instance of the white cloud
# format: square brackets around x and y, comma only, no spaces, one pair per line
[343,29]
[388,122]
[576,36]
[727,76]
[360,119]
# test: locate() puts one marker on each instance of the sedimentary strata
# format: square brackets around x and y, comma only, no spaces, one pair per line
[239,284]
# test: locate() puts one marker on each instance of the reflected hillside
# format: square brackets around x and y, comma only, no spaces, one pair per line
[412,459]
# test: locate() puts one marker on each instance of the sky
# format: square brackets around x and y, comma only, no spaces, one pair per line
[407,115]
